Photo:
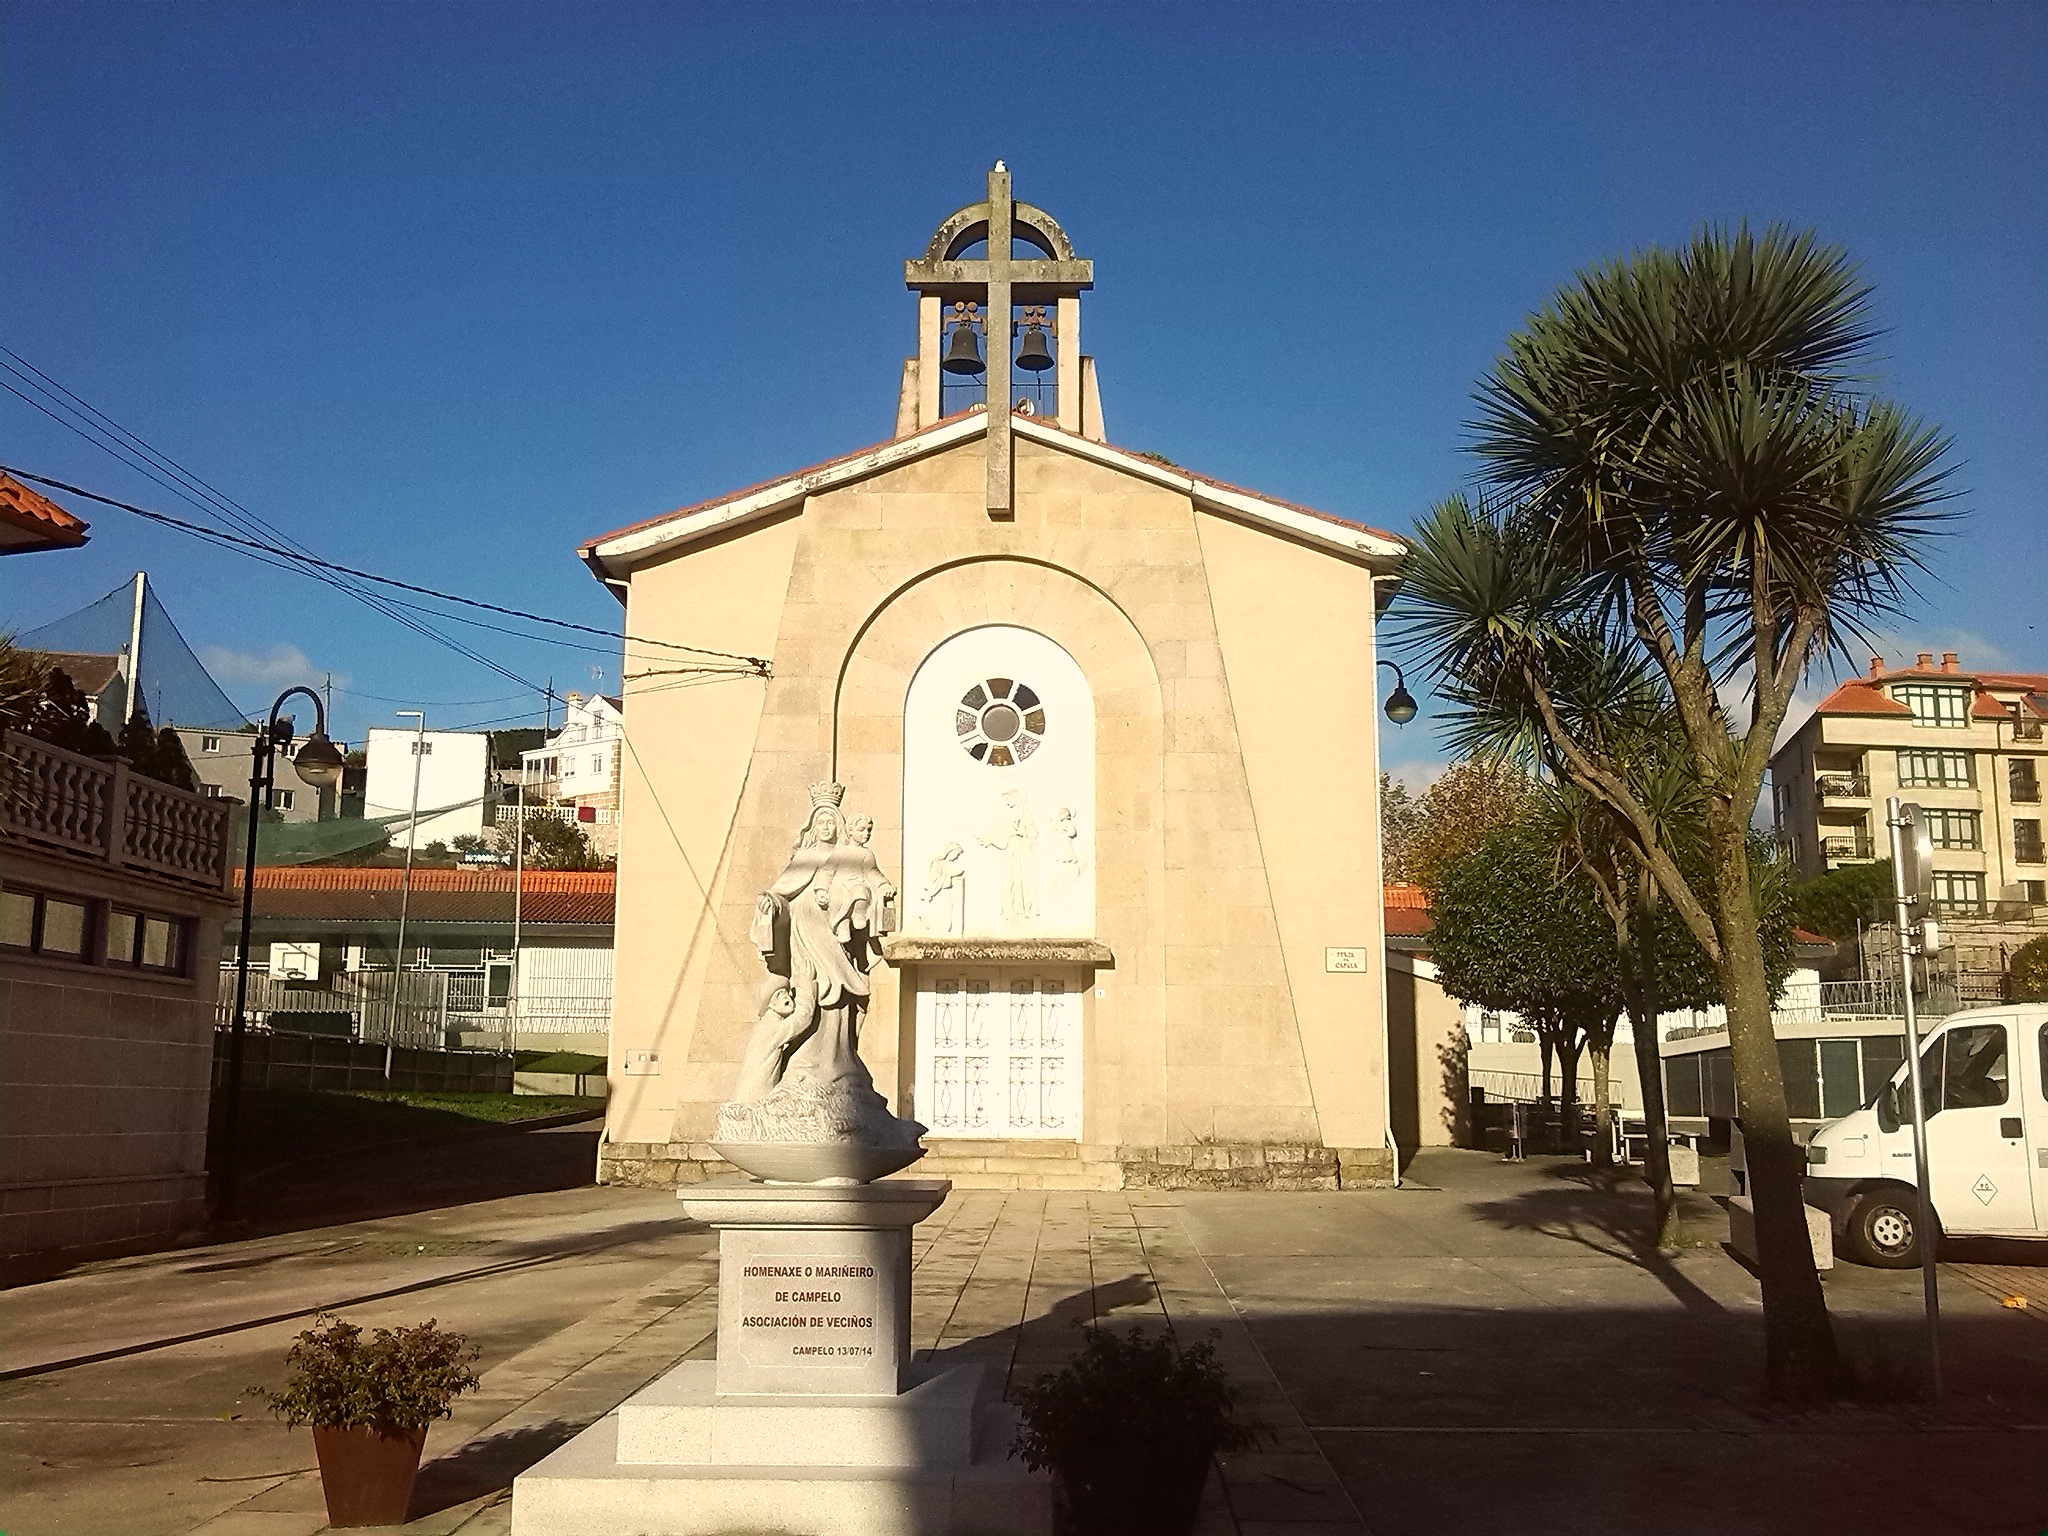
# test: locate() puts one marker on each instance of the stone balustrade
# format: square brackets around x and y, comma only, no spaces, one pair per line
[104,811]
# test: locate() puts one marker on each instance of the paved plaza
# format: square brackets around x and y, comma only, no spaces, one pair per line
[1484,1349]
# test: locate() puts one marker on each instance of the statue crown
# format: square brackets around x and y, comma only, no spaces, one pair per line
[826,793]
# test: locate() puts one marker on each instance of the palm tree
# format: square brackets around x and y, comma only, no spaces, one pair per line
[1681,473]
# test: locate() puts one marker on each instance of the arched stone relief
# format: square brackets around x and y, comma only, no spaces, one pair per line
[999,789]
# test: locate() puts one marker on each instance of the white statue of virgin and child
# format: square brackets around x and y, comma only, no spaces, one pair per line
[818,927]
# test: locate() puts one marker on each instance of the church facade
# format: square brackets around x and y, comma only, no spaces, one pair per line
[1107,726]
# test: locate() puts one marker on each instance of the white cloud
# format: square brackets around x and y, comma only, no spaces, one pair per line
[279,667]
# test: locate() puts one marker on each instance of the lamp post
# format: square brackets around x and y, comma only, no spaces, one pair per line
[1400,706]
[318,765]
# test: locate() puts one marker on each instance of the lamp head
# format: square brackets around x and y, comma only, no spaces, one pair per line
[318,763]
[1401,706]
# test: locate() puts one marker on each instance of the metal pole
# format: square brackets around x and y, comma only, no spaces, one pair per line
[231,1126]
[412,829]
[518,894]
[135,650]
[1896,822]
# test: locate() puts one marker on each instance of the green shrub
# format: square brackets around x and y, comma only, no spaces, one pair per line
[2028,971]
[399,1378]
[1129,1427]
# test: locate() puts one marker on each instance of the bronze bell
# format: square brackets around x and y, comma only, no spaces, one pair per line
[963,351]
[1034,356]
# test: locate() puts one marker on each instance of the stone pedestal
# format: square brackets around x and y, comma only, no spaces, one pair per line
[812,1420]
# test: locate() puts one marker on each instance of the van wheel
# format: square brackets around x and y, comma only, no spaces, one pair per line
[1881,1228]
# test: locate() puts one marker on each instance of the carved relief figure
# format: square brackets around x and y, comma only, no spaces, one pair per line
[1016,835]
[1066,838]
[945,890]
[817,927]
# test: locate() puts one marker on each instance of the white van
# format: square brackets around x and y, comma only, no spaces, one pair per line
[1982,1073]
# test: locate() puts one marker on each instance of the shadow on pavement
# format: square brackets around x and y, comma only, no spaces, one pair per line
[1607,1210]
[487,1465]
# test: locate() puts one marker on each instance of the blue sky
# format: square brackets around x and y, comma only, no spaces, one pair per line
[443,289]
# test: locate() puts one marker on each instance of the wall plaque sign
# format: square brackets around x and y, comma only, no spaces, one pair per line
[1346,959]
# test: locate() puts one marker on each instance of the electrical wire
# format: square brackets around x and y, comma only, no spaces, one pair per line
[752,665]
[218,506]
[253,528]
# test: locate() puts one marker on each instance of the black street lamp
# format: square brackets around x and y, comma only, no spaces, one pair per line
[318,764]
[1401,706]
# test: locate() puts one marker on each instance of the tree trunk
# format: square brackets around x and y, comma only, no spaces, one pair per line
[1568,1088]
[1543,1045]
[1603,1104]
[1799,1341]
[1639,987]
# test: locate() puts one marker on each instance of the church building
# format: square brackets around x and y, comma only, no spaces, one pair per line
[1108,726]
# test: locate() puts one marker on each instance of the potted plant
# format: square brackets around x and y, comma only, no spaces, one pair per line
[1129,1428]
[370,1401]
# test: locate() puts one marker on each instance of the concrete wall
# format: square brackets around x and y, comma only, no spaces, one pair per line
[104,1077]
[1223,872]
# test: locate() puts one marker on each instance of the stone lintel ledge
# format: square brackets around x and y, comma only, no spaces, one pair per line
[899,949]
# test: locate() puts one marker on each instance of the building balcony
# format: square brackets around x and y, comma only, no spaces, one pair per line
[2027,853]
[2026,730]
[1842,786]
[103,812]
[1847,848]
[2026,794]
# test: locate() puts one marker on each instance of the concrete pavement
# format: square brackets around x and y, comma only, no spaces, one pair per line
[1484,1349]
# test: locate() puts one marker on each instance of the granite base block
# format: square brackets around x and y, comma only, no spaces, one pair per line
[682,1419]
[583,1489]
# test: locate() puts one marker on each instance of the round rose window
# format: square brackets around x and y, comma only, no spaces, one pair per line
[999,722]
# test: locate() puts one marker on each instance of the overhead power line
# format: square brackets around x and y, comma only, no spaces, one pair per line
[96,427]
[258,539]
[754,665]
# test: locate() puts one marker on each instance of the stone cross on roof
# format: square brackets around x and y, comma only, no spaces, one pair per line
[998,281]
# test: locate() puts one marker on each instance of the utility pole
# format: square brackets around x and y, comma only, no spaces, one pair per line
[518,897]
[412,827]
[135,650]
[1913,886]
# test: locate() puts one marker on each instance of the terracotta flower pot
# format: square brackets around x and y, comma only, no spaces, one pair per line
[367,1472]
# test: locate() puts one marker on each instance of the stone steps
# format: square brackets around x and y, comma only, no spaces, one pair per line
[1000,1164]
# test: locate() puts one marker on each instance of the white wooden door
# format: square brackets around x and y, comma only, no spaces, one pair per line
[999,1056]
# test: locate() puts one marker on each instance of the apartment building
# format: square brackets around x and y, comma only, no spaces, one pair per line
[578,771]
[1967,745]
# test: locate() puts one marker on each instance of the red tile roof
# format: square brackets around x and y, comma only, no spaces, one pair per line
[1859,698]
[438,895]
[30,520]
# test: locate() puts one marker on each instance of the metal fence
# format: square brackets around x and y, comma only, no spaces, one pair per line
[423,1008]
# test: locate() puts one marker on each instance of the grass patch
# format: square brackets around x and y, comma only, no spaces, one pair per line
[581,1062]
[288,1126]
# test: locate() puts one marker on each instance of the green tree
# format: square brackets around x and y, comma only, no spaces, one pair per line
[1834,903]
[2027,971]
[555,844]
[1400,816]
[172,765]
[1509,931]
[1682,471]
[62,716]
[1468,803]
